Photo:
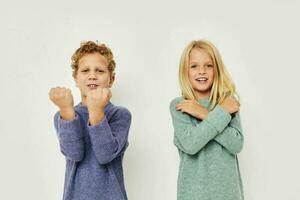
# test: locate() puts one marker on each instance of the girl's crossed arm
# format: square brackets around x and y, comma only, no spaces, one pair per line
[191,138]
[230,137]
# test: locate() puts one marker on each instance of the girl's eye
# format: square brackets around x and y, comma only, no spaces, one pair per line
[193,66]
[209,65]
[84,70]
[99,70]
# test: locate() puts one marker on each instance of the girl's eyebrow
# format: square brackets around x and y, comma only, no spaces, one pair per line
[207,62]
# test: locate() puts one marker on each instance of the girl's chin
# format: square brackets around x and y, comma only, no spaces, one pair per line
[202,90]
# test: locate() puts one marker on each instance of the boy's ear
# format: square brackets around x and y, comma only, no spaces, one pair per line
[112,79]
[74,77]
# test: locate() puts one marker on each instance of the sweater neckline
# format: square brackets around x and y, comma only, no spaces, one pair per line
[84,108]
[203,99]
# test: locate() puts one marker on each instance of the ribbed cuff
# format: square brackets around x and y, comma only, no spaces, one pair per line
[70,129]
[101,129]
[218,118]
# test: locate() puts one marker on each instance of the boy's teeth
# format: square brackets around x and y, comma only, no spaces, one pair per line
[92,86]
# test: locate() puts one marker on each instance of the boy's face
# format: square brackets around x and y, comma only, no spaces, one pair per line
[200,72]
[93,73]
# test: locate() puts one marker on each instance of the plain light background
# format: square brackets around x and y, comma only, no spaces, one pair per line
[258,40]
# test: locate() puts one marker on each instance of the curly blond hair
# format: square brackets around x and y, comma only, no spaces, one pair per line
[90,47]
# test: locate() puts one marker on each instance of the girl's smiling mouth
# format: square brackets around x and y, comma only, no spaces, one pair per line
[201,79]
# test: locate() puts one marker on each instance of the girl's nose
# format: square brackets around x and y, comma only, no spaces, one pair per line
[202,70]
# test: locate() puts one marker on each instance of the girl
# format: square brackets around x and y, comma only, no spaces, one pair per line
[93,134]
[207,128]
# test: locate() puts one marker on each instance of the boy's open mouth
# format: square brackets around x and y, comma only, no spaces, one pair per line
[92,86]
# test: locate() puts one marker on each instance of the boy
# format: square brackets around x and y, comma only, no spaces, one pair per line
[93,134]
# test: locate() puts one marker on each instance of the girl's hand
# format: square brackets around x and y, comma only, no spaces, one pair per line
[98,98]
[62,97]
[193,108]
[230,105]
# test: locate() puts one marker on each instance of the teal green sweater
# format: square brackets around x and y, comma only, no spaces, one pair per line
[208,149]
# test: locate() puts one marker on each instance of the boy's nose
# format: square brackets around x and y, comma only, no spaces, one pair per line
[92,76]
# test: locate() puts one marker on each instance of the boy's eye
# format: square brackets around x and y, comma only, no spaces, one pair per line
[99,70]
[85,70]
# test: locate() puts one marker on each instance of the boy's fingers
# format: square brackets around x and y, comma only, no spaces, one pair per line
[69,91]
[51,93]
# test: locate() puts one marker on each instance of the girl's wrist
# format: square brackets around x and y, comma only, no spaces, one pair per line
[202,114]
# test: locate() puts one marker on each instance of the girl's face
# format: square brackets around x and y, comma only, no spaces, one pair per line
[200,72]
[93,73]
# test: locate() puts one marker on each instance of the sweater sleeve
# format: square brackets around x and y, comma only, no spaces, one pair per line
[70,137]
[232,137]
[109,138]
[191,138]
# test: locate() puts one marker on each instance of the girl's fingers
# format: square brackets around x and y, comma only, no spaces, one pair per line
[184,103]
[178,107]
[187,101]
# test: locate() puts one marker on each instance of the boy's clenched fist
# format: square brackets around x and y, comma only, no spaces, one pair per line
[63,98]
[98,98]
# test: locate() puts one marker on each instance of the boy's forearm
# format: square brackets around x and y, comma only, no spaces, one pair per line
[67,113]
[95,116]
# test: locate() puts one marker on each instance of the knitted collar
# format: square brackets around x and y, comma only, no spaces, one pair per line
[83,108]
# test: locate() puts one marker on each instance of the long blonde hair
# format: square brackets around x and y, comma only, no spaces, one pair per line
[222,86]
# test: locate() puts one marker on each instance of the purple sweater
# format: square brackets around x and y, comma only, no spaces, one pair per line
[94,154]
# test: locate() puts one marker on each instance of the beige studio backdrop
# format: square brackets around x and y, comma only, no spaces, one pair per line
[258,40]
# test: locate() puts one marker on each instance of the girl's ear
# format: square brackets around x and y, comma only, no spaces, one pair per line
[112,79]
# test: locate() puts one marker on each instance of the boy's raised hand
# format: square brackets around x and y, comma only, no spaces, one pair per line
[63,98]
[230,105]
[96,100]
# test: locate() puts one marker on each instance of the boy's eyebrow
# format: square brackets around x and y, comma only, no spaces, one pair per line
[99,66]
